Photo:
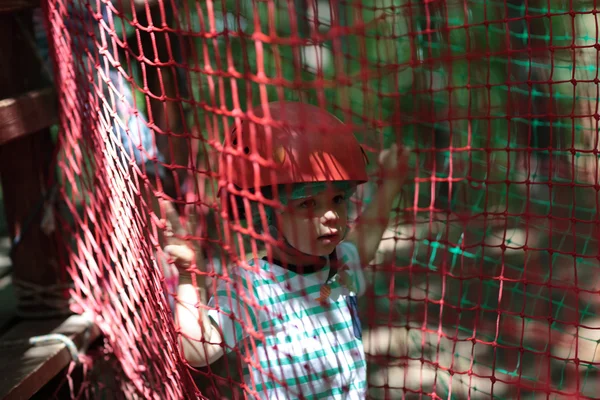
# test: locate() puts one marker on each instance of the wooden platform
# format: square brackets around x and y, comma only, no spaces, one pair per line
[25,369]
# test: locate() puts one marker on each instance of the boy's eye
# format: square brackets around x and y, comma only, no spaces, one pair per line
[307,203]
[339,199]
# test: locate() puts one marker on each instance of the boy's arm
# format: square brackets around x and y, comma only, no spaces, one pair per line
[373,220]
[200,339]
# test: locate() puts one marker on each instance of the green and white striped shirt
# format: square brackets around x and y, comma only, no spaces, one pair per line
[292,346]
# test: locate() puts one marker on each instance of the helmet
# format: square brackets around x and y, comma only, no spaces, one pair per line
[293,143]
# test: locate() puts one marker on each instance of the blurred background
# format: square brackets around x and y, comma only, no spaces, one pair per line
[486,285]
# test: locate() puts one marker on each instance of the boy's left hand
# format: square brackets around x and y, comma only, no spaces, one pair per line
[366,233]
[181,254]
[394,163]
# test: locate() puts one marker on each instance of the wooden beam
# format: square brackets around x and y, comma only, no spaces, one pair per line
[25,168]
[25,369]
[27,113]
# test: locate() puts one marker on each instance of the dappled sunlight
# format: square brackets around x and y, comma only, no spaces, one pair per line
[181,126]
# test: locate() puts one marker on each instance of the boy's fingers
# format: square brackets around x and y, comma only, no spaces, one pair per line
[179,251]
[180,254]
[173,218]
[384,154]
[403,154]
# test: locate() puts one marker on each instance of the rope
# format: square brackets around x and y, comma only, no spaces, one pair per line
[53,339]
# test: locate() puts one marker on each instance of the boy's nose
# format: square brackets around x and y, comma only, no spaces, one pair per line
[329,216]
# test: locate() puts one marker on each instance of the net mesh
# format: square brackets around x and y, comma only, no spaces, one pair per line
[485,284]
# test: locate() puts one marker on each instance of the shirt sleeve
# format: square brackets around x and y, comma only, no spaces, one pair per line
[347,254]
[234,309]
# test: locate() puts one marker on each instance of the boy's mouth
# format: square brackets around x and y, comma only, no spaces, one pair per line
[330,237]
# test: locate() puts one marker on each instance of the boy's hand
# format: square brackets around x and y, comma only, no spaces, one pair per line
[367,232]
[394,164]
[184,254]
[181,255]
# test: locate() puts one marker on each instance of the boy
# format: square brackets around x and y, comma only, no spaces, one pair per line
[292,314]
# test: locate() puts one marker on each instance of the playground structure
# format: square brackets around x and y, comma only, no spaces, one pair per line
[485,286]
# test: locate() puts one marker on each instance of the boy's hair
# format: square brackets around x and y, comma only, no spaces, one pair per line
[295,192]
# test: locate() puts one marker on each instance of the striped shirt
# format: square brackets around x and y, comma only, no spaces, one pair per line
[292,345]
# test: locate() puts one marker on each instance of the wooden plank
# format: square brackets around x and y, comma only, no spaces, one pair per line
[25,369]
[27,113]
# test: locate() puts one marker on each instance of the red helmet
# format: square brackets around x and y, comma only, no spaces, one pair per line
[304,144]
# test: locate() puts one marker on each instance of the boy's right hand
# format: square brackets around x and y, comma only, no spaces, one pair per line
[180,251]
[181,255]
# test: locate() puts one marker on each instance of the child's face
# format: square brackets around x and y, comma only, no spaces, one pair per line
[317,224]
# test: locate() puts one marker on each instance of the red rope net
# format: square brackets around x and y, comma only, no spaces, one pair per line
[484,283]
